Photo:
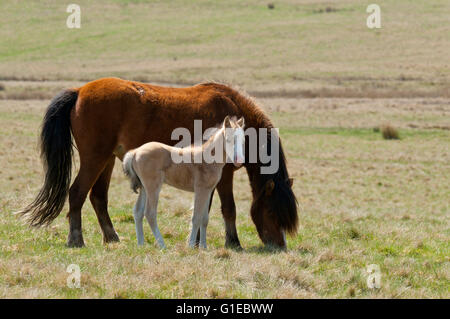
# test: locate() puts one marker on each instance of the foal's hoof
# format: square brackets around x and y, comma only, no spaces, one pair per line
[192,245]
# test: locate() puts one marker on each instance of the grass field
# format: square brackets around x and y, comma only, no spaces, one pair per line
[328,83]
[363,200]
[299,45]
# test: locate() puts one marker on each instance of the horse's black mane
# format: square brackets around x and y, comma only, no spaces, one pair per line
[283,200]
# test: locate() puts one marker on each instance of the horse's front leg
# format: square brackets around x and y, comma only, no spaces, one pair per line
[138,213]
[225,190]
[201,204]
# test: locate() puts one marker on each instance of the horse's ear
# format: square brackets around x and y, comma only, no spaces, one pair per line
[227,122]
[241,122]
[290,182]
[270,185]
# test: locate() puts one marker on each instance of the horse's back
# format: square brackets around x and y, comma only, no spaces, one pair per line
[115,115]
[111,88]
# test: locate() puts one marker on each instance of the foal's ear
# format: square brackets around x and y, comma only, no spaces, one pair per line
[241,122]
[227,122]
[270,185]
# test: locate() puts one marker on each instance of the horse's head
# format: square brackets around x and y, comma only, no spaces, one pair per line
[274,212]
[274,207]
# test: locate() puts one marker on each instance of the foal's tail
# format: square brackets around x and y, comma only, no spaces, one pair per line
[56,155]
[129,171]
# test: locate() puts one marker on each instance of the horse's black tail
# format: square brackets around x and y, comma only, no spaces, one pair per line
[56,155]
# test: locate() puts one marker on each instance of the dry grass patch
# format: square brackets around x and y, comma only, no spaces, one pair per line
[389,132]
[222,254]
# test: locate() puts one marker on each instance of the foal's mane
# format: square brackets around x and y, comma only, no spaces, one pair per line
[218,129]
[212,133]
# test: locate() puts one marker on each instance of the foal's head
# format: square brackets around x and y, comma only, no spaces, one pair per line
[234,140]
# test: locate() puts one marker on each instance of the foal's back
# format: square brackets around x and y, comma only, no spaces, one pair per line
[154,164]
[152,156]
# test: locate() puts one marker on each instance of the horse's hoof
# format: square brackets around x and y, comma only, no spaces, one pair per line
[75,240]
[110,238]
[233,244]
[274,248]
[75,243]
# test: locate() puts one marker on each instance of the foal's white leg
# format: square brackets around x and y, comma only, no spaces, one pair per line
[150,214]
[204,223]
[202,197]
[138,213]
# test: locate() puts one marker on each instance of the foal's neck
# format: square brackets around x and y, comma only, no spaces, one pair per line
[214,143]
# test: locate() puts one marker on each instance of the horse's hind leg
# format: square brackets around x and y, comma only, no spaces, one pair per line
[88,174]
[99,200]
[138,213]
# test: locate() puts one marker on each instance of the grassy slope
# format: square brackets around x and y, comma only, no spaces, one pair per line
[362,200]
[296,44]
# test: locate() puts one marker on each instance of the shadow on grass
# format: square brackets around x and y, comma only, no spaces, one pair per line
[264,250]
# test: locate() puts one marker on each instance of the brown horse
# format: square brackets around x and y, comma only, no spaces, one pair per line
[110,116]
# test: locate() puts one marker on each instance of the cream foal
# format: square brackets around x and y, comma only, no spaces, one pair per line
[153,164]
